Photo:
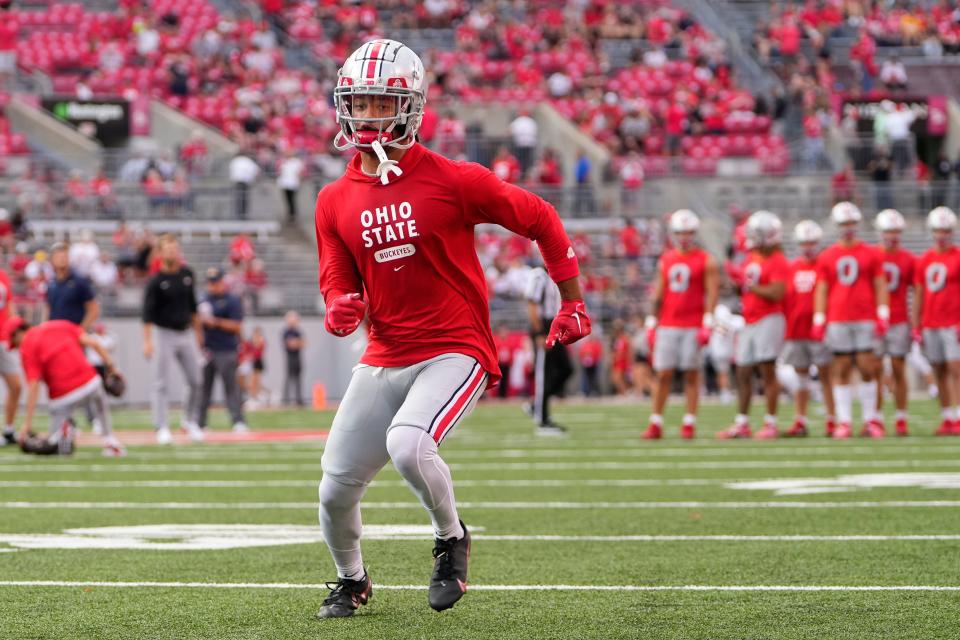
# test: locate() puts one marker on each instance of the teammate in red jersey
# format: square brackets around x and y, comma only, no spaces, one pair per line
[851,311]
[9,368]
[936,314]
[764,285]
[684,297]
[395,238]
[53,353]
[801,351]
[898,265]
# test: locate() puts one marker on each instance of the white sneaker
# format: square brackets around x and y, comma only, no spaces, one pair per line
[194,432]
[240,427]
[164,436]
[96,426]
[113,449]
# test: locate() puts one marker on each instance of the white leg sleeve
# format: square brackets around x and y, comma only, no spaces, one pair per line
[415,455]
[843,397]
[868,400]
[340,521]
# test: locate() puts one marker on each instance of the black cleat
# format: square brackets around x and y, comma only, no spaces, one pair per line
[449,580]
[551,428]
[9,437]
[345,597]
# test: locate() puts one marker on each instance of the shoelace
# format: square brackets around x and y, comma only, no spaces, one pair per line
[338,588]
[442,552]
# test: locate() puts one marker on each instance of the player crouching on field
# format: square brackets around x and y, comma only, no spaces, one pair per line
[936,313]
[763,286]
[52,352]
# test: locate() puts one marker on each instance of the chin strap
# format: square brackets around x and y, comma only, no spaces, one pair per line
[387,166]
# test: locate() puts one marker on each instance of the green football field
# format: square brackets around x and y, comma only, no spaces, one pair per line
[597,535]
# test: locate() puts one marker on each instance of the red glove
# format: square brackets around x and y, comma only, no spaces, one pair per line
[917,334]
[571,323]
[345,314]
[703,335]
[882,324]
[819,329]
[880,327]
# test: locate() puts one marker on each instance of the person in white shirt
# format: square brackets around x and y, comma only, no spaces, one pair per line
[897,124]
[83,254]
[243,172]
[104,273]
[893,74]
[524,132]
[288,179]
[721,347]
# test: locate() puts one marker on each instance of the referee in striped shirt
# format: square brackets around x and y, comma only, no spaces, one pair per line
[552,366]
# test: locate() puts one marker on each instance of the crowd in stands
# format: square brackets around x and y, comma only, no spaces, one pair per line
[127,259]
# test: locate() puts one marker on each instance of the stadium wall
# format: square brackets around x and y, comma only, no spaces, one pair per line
[327,359]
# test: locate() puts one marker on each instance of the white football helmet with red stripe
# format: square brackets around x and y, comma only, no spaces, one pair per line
[381,68]
[764,230]
[890,220]
[942,219]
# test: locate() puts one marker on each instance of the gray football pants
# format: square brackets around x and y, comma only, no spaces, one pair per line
[91,397]
[174,345]
[223,364]
[400,414]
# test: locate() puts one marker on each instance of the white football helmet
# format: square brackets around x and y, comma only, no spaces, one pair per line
[684,220]
[941,219]
[764,229]
[380,68]
[890,220]
[807,231]
[844,212]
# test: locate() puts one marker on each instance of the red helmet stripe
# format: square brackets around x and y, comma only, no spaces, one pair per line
[372,63]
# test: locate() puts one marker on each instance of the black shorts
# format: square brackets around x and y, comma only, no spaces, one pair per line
[258,365]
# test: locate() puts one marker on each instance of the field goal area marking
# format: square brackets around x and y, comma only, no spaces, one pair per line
[479,587]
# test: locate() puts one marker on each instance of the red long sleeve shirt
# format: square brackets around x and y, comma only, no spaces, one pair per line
[410,245]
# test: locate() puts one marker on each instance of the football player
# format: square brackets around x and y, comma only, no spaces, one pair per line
[898,265]
[395,237]
[685,294]
[53,353]
[851,311]
[936,314]
[800,351]
[763,287]
[9,368]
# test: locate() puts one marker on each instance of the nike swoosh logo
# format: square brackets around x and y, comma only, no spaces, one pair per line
[400,267]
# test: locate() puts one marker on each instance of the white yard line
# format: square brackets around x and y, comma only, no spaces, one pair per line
[454,455]
[256,484]
[887,504]
[477,587]
[501,466]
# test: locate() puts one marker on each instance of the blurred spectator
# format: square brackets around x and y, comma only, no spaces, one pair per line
[7,237]
[290,173]
[881,172]
[893,74]
[105,274]
[255,279]
[547,171]
[293,344]
[524,132]
[897,122]
[76,192]
[814,149]
[241,250]
[942,169]
[502,342]
[635,127]
[584,201]
[505,166]
[451,140]
[101,188]
[843,185]
[590,355]
[83,254]
[622,358]
[631,182]
[193,154]
[243,173]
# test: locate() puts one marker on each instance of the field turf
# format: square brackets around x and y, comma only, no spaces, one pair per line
[596,535]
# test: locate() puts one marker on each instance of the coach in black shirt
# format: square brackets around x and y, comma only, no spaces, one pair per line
[169,322]
[69,296]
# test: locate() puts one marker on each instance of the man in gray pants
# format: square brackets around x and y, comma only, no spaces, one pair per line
[170,314]
[221,315]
